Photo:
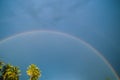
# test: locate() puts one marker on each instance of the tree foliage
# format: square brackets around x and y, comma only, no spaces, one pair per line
[34,72]
[10,72]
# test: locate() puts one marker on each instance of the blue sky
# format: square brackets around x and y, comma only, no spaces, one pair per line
[95,21]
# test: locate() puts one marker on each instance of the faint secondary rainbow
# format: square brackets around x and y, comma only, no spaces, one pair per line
[67,35]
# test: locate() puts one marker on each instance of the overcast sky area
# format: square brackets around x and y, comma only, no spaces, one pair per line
[96,22]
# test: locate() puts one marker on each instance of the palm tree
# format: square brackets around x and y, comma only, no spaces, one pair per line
[11,72]
[34,72]
[108,78]
[1,67]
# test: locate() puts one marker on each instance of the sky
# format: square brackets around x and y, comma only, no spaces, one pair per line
[96,22]
[58,55]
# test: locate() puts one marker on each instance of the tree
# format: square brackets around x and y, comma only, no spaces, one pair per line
[1,66]
[108,78]
[10,72]
[34,72]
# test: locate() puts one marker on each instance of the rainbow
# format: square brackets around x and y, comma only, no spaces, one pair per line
[66,35]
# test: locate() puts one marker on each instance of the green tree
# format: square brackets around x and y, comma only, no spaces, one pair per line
[1,66]
[108,78]
[10,72]
[33,72]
